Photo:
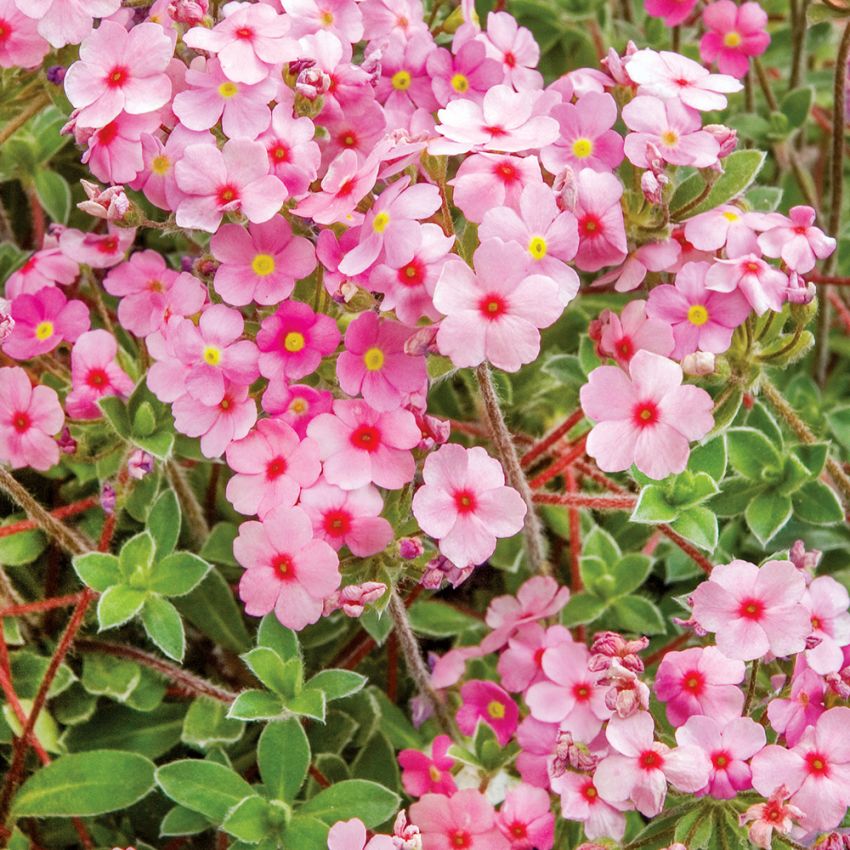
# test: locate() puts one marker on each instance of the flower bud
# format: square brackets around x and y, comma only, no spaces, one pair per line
[189,12]
[566,191]
[799,290]
[139,464]
[67,444]
[726,137]
[7,323]
[410,548]
[698,363]
[56,74]
[110,204]
[108,498]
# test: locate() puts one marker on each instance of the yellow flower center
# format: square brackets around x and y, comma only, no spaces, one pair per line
[263,265]
[434,773]
[44,330]
[212,355]
[294,341]
[537,247]
[670,138]
[298,407]
[730,216]
[327,18]
[496,710]
[374,359]
[732,39]
[160,165]
[697,314]
[582,148]
[228,89]
[460,83]
[382,219]
[401,80]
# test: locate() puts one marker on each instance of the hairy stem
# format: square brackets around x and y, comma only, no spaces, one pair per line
[192,510]
[751,688]
[32,109]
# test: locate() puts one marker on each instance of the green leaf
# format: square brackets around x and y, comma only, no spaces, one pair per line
[631,571]
[144,420]
[813,456]
[116,414]
[727,410]
[177,574]
[54,193]
[118,604]
[249,820]
[694,829]
[751,453]
[582,608]
[85,784]
[98,570]
[437,619]
[164,523]
[305,833]
[22,548]
[136,555]
[211,609]
[180,821]
[639,615]
[739,171]
[115,678]
[710,457]
[164,627]
[652,506]
[273,634]
[838,420]
[309,703]
[203,786]
[699,525]
[283,754]
[218,547]
[353,798]
[767,513]
[817,503]
[796,105]
[284,678]
[206,725]
[256,705]
[337,684]
[600,544]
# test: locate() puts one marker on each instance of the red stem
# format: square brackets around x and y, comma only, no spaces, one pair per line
[841,309]
[679,640]
[392,667]
[41,605]
[60,513]
[583,500]
[576,451]
[551,438]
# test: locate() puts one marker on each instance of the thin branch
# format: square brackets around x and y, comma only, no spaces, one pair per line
[193,512]
[35,106]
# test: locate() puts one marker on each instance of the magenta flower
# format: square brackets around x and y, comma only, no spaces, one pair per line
[516,48]
[495,312]
[465,73]
[805,704]
[762,285]
[95,373]
[286,570]
[465,505]
[115,153]
[796,240]
[98,250]
[120,71]
[272,466]
[465,820]
[672,12]
[700,680]
[521,662]
[827,601]
[294,340]
[581,801]
[726,227]
[639,767]
[293,155]
[296,404]
[360,445]
[816,771]
[422,774]
[754,610]
[601,229]
[526,820]
[632,331]
[646,417]
[734,34]
[29,417]
[260,264]
[20,43]
[46,267]
[233,179]
[43,321]
[487,701]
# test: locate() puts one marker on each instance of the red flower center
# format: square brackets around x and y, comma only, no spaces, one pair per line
[347,139]
[413,274]
[518,830]
[461,839]
[590,793]
[817,764]
[625,348]
[650,760]
[538,657]
[117,77]
[589,226]
[227,194]
[5,30]
[581,691]
[106,134]
[817,623]
[495,130]
[284,566]
[275,468]
[506,172]
[510,60]
[108,245]
[225,404]
[279,153]
[721,760]
[346,189]
[97,379]
[21,421]
[751,609]
[245,33]
[465,501]
[367,438]
[492,306]
[337,523]
[693,682]
[645,414]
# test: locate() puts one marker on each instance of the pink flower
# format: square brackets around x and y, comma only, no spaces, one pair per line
[249,42]
[775,814]
[733,35]
[29,417]
[115,152]
[581,801]
[702,320]
[98,250]
[347,517]
[466,72]
[525,819]
[754,610]
[646,417]
[260,264]
[827,601]
[521,663]
[538,598]
[464,820]
[538,741]
[488,702]
[351,835]
[700,680]
[495,312]
[296,404]
[796,240]
[728,746]
[673,12]
[726,227]
[465,505]
[353,598]
[601,229]
[95,373]
[293,155]
[632,331]
[762,285]
[272,467]
[43,321]
[286,569]
[805,704]
[674,130]
[421,774]
[404,84]
[359,128]
[46,267]
[669,75]
[20,43]
[235,178]
[816,771]
[341,17]
[586,139]
[294,340]
[640,767]
[572,695]
[515,47]
[120,71]
[359,445]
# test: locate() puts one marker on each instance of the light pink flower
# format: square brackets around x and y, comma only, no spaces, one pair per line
[260,264]
[296,404]
[774,815]
[672,12]
[762,285]
[827,601]
[726,227]
[482,700]
[805,704]
[646,417]
[119,71]
[537,598]
[601,229]
[466,819]
[487,180]
[98,250]
[465,505]
[351,835]
[286,570]
[293,155]
[538,741]
[632,331]
[754,610]
[734,34]
[29,417]
[359,128]
[20,43]
[581,801]
[341,17]
[526,820]
[46,267]
[115,152]
[422,774]
[796,240]
[95,373]
[515,47]
[521,662]
[359,445]
[43,321]
[64,22]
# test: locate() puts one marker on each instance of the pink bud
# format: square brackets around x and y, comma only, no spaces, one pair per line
[189,12]
[410,548]
[699,363]
[799,290]
[566,191]
[726,137]
[7,323]
[111,204]
[67,444]
[139,464]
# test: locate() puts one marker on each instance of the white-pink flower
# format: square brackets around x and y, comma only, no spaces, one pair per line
[827,601]
[762,285]
[796,240]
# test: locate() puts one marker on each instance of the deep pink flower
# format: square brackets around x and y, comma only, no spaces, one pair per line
[762,285]
[526,820]
[95,373]
[98,250]
[286,569]
[296,404]
[464,820]
[647,417]
[422,774]
[516,48]
[43,321]
[466,72]
[827,601]
[632,331]
[115,153]
[20,43]
[64,22]
[46,267]
[581,801]
[734,34]
[293,155]
[805,704]
[796,240]
[754,610]
[29,417]
[482,700]
[672,12]
[521,662]
[601,229]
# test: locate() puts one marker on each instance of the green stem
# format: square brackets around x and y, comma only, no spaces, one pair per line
[751,688]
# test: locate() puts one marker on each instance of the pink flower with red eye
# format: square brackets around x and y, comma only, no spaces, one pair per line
[796,240]
[601,228]
[29,417]
[272,468]
[114,153]
[729,746]
[20,43]
[359,128]
[352,835]
[571,695]
[95,374]
[408,287]
[646,417]
[515,48]
[700,680]
[43,321]
[581,801]
[734,34]
[248,42]
[651,257]
[586,139]
[488,180]
[632,331]
[234,179]
[286,570]
[294,340]
[816,771]
[399,18]
[348,85]
[526,820]
[521,663]
[538,741]
[360,445]
[726,227]
[98,250]
[216,424]
[120,71]
[465,505]
[494,312]
[375,365]
[341,17]
[296,404]
[640,767]
[422,774]
[348,517]
[64,22]
[776,814]
[805,704]
[672,12]
[762,285]
[260,264]
[293,155]
[486,701]
[464,821]
[754,610]
[827,601]
[46,267]
[465,72]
